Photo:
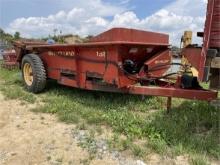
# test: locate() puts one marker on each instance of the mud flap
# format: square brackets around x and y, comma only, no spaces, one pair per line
[215,79]
[212,69]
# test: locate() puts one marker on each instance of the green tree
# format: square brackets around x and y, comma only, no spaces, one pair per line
[17,36]
[1,32]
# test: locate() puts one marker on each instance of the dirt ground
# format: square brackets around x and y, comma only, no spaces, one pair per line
[27,138]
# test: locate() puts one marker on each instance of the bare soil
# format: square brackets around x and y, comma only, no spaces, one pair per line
[28,138]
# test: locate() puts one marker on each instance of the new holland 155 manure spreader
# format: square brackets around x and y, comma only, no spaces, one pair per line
[118,60]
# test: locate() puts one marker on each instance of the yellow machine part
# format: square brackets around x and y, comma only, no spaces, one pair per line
[186,41]
[187,38]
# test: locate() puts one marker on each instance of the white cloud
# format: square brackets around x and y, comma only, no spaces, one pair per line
[183,15]
[125,1]
[98,21]
[127,19]
[192,8]
[97,7]
[91,18]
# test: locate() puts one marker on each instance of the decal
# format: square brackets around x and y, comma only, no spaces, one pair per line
[162,61]
[62,53]
[101,54]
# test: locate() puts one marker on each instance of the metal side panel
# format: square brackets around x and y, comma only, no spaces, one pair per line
[215,79]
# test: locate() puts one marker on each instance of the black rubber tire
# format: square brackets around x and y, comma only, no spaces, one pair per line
[39,73]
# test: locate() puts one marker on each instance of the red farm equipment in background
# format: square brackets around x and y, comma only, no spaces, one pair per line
[118,60]
[9,59]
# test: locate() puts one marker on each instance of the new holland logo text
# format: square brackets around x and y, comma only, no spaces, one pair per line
[61,53]
[161,61]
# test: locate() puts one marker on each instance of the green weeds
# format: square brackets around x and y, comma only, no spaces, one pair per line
[192,127]
[12,88]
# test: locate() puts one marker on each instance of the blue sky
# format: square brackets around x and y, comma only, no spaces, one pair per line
[38,18]
[143,8]
[12,9]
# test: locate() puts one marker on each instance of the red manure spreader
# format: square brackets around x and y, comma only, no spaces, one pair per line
[118,60]
[9,59]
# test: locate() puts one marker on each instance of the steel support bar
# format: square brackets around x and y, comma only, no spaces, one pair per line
[206,95]
[169,92]
[169,104]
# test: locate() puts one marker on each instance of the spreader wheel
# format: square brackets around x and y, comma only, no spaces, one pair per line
[33,73]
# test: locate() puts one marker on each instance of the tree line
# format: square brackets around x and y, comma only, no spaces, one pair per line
[8,38]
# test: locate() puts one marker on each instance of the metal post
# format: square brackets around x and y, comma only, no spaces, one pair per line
[169,104]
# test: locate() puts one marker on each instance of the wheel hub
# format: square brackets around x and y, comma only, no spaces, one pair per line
[28,74]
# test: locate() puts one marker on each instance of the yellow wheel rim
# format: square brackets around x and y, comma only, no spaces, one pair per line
[28,74]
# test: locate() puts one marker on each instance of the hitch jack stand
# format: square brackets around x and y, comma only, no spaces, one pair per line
[169,104]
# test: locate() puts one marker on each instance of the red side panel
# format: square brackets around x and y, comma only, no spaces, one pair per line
[211,33]
[132,35]
[193,55]
[159,63]
[215,26]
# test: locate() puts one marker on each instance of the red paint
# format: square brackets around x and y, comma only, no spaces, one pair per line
[193,54]
[197,56]
[97,65]
[211,37]
[9,59]
[159,63]
[132,35]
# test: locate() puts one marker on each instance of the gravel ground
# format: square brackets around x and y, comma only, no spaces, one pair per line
[100,148]
[28,138]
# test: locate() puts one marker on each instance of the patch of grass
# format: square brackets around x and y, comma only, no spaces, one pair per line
[69,118]
[12,87]
[98,129]
[48,158]
[82,126]
[89,143]
[12,92]
[158,144]
[199,160]
[138,150]
[85,161]
[59,160]
[178,149]
[116,142]
[192,126]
